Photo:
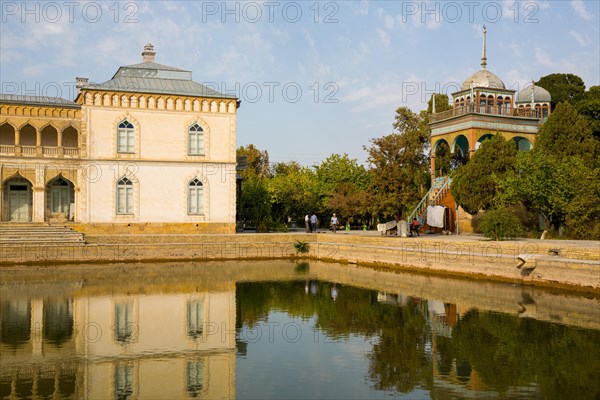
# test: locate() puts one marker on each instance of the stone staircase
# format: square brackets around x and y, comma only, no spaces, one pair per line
[433,197]
[39,234]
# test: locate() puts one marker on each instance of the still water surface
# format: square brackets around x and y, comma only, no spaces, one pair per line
[281,330]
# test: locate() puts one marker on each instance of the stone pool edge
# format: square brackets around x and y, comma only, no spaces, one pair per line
[576,267]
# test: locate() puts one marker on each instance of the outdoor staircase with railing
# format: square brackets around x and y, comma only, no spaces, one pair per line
[439,189]
[43,235]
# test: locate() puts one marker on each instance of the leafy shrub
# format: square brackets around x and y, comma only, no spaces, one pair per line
[262,228]
[500,223]
[283,228]
[301,247]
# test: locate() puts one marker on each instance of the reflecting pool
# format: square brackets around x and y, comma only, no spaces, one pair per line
[285,330]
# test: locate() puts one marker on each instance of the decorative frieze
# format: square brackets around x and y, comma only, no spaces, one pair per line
[157,102]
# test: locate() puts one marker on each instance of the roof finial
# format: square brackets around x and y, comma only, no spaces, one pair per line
[148,53]
[483,57]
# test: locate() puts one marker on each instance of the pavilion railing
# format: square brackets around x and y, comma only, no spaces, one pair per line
[485,109]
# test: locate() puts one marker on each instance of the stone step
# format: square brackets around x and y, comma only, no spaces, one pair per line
[41,243]
[39,235]
[42,233]
[77,238]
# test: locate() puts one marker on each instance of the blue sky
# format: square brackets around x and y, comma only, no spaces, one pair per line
[315,78]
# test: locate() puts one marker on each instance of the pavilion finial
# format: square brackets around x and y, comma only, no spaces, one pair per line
[483,55]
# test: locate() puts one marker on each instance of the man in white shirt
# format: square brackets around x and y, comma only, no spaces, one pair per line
[334,222]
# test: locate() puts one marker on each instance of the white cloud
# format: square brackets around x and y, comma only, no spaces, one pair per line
[361,9]
[35,69]
[388,92]
[580,10]
[389,22]
[516,49]
[581,39]
[517,79]
[385,38]
[363,47]
[542,58]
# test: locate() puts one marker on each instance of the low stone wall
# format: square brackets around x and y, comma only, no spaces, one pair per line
[154,228]
[473,259]
[577,266]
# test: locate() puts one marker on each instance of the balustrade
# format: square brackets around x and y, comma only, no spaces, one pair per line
[7,150]
[32,151]
[485,109]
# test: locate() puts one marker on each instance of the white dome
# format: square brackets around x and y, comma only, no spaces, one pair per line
[540,95]
[483,78]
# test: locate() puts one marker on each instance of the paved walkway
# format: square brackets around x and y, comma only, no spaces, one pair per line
[457,238]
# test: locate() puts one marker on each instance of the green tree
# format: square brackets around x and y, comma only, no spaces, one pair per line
[337,169]
[351,203]
[563,190]
[255,201]
[476,184]
[559,177]
[589,108]
[500,223]
[398,163]
[442,103]
[285,168]
[257,161]
[343,183]
[566,134]
[563,88]
[293,194]
[253,205]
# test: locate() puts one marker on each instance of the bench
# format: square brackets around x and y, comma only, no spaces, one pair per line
[387,227]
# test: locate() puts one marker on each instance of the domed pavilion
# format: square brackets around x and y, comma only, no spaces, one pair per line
[482,107]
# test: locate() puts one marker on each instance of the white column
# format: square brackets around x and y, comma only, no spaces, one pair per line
[39,205]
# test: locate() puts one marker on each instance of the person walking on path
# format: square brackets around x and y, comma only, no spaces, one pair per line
[307,223]
[334,222]
[313,223]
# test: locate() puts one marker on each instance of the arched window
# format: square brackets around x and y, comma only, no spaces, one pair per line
[196,140]
[124,196]
[195,197]
[125,137]
[545,112]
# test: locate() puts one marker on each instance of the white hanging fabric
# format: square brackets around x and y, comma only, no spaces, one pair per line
[435,216]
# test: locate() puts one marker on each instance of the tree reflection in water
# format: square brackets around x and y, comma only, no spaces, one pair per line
[484,350]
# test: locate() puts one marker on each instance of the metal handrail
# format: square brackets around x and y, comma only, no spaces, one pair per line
[420,208]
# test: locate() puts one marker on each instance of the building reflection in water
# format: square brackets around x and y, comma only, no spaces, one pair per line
[119,346]
[16,322]
[131,333]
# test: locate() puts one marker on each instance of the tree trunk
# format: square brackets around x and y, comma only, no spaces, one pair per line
[546,226]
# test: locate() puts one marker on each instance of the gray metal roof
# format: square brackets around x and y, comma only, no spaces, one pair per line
[153,65]
[159,86]
[37,100]
[151,77]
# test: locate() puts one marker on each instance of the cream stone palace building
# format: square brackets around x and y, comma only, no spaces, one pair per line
[148,150]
